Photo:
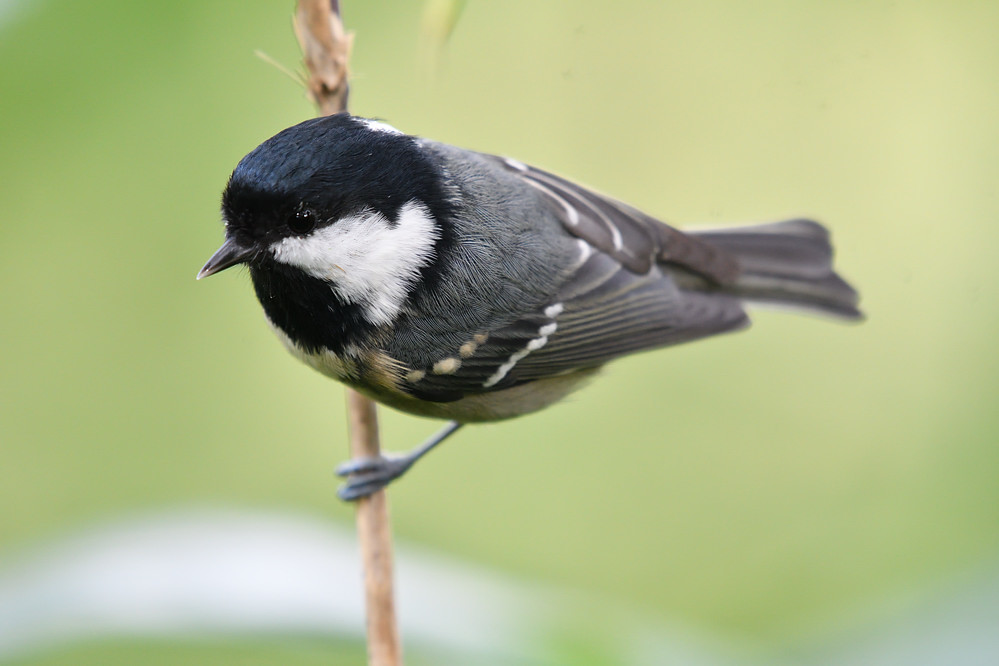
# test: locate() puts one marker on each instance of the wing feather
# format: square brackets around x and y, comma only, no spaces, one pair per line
[628,235]
[605,312]
[620,298]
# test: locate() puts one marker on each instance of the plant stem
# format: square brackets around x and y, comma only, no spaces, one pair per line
[326,50]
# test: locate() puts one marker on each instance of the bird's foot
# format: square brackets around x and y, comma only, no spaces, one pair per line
[369,475]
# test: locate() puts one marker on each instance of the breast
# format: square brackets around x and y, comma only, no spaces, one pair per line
[378,376]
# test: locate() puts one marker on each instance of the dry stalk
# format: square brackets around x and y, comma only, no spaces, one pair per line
[326,50]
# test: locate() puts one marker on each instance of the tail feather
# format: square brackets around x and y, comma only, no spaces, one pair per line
[786,263]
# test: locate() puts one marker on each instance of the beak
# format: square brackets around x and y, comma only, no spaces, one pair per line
[231,253]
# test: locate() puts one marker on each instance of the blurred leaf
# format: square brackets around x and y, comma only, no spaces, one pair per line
[440,17]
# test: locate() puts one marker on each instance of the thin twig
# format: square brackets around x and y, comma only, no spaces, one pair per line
[326,47]
[374,531]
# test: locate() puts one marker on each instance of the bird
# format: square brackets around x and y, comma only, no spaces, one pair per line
[465,286]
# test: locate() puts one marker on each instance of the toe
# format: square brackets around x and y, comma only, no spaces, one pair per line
[356,489]
[359,466]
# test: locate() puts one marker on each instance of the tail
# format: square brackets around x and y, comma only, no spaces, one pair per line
[786,263]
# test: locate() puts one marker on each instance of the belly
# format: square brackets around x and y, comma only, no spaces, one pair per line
[492,406]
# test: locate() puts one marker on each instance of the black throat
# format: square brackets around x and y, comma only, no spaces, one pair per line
[308,310]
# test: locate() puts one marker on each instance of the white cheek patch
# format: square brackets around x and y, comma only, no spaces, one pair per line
[367,259]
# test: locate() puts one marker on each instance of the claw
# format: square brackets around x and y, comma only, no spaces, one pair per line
[369,475]
[355,490]
[357,466]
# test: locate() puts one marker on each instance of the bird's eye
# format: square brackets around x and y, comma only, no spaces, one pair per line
[302,222]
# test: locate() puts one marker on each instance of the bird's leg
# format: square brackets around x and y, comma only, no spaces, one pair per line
[368,475]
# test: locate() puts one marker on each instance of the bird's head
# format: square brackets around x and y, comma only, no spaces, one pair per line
[344,201]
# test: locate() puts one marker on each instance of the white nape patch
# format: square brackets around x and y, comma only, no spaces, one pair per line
[534,344]
[366,259]
[378,126]
[571,214]
[514,164]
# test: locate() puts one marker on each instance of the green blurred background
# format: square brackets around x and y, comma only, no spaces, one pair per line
[766,485]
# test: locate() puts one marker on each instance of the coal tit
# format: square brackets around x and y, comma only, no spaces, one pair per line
[463,286]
